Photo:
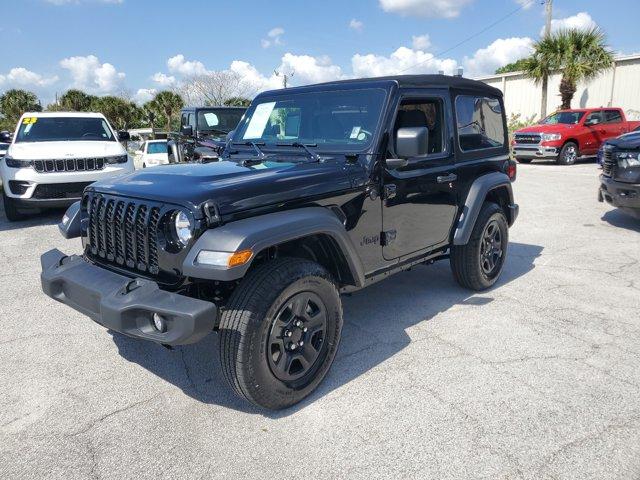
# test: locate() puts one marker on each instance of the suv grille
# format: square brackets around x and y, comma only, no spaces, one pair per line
[123,232]
[60,190]
[68,165]
[527,138]
[608,161]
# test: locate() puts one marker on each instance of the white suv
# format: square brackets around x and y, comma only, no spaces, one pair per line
[54,156]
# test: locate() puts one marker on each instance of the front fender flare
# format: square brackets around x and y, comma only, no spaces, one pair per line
[264,231]
[476,197]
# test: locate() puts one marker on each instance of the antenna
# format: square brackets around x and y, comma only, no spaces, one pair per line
[285,77]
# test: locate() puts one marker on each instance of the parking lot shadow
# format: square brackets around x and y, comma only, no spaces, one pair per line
[617,218]
[373,332]
[35,219]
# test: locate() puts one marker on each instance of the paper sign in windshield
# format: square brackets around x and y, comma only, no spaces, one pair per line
[259,120]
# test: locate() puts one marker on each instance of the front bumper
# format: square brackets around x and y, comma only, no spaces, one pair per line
[125,304]
[619,194]
[535,151]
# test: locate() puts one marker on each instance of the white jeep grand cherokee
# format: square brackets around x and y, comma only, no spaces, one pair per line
[54,156]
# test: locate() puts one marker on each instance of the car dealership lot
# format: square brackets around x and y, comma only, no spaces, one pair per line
[536,378]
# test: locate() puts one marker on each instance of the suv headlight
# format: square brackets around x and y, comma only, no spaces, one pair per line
[550,137]
[629,159]
[117,159]
[15,163]
[183,227]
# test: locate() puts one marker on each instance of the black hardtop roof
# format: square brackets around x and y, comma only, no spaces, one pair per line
[408,81]
[226,107]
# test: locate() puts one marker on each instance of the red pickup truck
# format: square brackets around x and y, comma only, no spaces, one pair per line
[567,135]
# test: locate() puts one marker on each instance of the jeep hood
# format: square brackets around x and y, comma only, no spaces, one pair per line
[65,149]
[629,141]
[232,186]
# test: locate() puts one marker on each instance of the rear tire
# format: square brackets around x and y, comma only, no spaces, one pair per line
[568,154]
[280,331]
[478,264]
[11,209]
[523,160]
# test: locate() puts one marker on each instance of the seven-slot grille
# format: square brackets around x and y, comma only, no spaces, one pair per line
[608,160]
[68,165]
[123,231]
[527,138]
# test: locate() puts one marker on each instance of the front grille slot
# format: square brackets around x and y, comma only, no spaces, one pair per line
[68,165]
[54,191]
[527,138]
[123,232]
[608,161]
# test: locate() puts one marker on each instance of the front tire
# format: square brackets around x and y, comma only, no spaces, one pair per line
[568,154]
[11,209]
[478,264]
[280,331]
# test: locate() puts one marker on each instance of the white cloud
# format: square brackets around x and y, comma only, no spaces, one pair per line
[421,42]
[356,25]
[144,95]
[526,4]
[274,37]
[580,21]
[308,69]
[91,75]
[163,79]
[502,51]
[179,65]
[425,8]
[403,60]
[21,77]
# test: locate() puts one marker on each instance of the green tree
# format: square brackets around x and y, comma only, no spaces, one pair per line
[150,112]
[578,54]
[76,101]
[237,102]
[516,66]
[13,103]
[169,103]
[122,114]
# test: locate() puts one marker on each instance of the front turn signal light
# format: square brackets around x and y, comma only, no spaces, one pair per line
[224,259]
[240,258]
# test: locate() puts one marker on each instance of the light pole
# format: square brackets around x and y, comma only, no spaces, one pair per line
[548,8]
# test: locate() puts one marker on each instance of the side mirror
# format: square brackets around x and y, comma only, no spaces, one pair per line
[5,137]
[412,142]
[123,136]
[187,131]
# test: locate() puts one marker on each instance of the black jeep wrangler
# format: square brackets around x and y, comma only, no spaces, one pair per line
[620,179]
[322,189]
[203,133]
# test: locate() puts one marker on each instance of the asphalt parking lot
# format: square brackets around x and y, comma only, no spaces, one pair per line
[538,378]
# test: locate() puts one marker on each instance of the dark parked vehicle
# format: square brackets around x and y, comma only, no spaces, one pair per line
[323,189]
[600,156]
[620,178]
[203,133]
[5,141]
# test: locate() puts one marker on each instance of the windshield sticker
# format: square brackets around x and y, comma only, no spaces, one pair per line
[29,120]
[355,132]
[259,120]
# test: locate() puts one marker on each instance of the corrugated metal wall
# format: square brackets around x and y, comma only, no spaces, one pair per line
[618,87]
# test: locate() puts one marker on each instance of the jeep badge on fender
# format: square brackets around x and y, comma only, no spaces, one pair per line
[259,245]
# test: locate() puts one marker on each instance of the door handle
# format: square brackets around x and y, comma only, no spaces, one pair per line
[450,177]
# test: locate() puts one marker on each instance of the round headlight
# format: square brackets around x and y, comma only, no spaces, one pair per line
[183,227]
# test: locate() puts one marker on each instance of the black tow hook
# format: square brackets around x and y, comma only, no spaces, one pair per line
[131,286]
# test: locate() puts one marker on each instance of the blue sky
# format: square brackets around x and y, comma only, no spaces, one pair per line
[138,47]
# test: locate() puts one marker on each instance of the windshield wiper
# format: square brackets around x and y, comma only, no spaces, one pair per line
[255,146]
[314,156]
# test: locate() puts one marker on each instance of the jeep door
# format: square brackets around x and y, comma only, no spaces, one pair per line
[419,199]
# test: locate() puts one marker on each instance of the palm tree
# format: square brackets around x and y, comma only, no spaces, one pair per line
[578,54]
[14,102]
[76,101]
[150,112]
[169,103]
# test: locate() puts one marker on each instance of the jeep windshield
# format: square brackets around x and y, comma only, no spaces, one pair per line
[58,129]
[567,118]
[327,120]
[219,120]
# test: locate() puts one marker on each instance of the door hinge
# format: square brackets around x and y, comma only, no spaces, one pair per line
[387,237]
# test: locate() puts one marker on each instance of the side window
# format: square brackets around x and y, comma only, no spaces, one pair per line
[183,120]
[192,121]
[423,113]
[597,116]
[612,116]
[479,122]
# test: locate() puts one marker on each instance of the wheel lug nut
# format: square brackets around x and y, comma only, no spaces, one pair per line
[305,329]
[287,333]
[301,343]
[292,346]
[298,323]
